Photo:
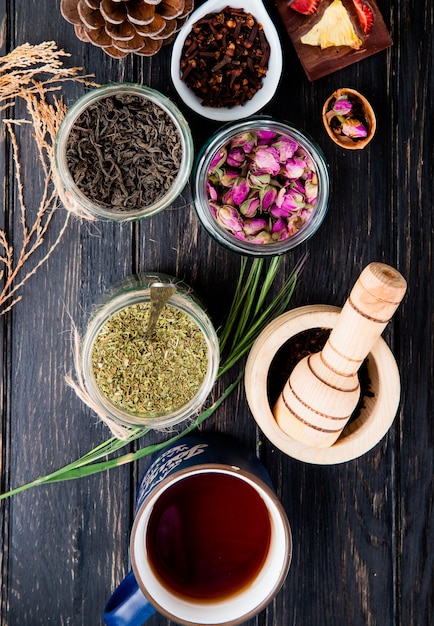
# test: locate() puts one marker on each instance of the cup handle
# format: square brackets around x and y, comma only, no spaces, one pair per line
[127,605]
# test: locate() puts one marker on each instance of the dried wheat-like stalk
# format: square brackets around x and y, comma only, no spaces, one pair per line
[34,69]
[30,73]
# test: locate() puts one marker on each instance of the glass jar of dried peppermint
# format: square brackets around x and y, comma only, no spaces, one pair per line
[151,381]
[123,152]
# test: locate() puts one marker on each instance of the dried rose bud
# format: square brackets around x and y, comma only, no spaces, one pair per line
[281,235]
[294,167]
[238,192]
[229,218]
[278,228]
[254,225]
[267,160]
[309,166]
[265,136]
[311,191]
[212,192]
[228,177]
[213,207]
[294,224]
[267,196]
[236,157]
[342,106]
[354,129]
[290,199]
[280,212]
[262,237]
[299,185]
[250,206]
[286,147]
[240,235]
[247,141]
[258,180]
[218,160]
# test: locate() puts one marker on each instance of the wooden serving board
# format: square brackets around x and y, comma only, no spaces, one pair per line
[317,62]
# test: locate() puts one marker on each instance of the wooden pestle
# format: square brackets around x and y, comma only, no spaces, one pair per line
[323,389]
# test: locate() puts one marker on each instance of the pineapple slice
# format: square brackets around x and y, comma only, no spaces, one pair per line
[333,29]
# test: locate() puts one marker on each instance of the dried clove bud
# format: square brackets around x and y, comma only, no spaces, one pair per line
[230,53]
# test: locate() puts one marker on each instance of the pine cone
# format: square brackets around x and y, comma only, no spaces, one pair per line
[121,27]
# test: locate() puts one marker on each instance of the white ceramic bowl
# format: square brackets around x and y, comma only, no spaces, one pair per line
[270,81]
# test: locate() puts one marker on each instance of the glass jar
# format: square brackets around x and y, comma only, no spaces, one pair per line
[132,291]
[75,199]
[216,146]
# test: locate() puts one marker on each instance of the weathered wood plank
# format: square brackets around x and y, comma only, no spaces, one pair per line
[413,189]
[57,571]
[363,539]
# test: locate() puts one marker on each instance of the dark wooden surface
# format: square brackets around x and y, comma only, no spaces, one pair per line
[363,530]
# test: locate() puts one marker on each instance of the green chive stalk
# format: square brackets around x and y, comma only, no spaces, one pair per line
[247,317]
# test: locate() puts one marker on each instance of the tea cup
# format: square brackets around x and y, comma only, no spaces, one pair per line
[210,544]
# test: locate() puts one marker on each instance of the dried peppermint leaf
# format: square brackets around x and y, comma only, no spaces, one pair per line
[149,376]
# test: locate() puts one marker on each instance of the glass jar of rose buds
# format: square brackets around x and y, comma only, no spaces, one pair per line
[261,186]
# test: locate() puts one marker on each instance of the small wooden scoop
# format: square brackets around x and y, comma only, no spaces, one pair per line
[323,389]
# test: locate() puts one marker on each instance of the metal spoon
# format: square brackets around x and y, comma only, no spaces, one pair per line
[159,295]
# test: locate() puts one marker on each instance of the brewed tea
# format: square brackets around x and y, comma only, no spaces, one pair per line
[208,536]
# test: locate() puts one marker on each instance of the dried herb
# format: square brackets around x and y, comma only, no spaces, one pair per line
[155,375]
[30,73]
[225,58]
[298,347]
[346,117]
[262,186]
[124,152]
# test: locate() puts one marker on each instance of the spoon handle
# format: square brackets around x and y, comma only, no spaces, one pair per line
[159,294]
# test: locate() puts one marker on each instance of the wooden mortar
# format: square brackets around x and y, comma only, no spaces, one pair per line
[360,434]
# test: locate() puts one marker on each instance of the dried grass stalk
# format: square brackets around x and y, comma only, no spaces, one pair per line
[30,72]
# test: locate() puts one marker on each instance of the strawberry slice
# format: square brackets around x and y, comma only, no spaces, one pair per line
[307,7]
[366,15]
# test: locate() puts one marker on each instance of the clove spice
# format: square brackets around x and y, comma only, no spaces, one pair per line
[225,58]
